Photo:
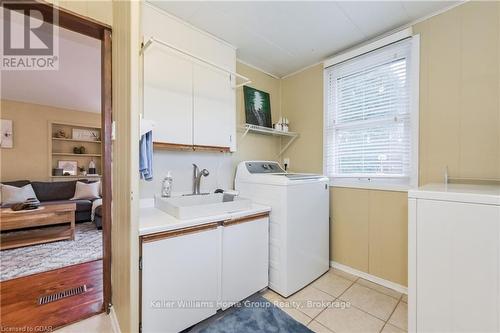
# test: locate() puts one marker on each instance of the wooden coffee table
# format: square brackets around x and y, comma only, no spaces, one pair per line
[60,216]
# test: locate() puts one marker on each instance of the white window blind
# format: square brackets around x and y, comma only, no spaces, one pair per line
[368,117]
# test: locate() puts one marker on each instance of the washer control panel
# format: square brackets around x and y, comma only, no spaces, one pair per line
[264,167]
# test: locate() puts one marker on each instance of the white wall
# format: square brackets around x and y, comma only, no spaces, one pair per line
[180,163]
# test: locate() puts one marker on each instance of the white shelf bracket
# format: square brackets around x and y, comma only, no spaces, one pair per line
[292,139]
[247,129]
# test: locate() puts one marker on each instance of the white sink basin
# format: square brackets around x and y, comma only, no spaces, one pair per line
[193,206]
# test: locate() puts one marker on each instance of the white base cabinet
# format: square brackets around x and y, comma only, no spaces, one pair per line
[245,259]
[190,273]
[454,249]
[178,271]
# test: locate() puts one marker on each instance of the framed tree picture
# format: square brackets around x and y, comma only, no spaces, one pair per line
[257,107]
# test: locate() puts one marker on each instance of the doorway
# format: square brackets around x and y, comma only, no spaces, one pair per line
[63,295]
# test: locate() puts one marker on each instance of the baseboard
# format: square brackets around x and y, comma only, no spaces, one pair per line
[386,283]
[114,321]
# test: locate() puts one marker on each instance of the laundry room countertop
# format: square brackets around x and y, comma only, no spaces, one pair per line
[153,220]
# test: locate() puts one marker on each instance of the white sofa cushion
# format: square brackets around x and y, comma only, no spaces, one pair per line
[13,194]
[88,191]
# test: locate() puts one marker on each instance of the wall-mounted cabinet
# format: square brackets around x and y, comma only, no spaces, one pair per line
[192,102]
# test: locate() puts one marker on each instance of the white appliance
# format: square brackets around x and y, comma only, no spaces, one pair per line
[454,258]
[299,221]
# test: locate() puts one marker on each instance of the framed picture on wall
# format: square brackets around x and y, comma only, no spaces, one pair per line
[70,168]
[257,107]
[6,138]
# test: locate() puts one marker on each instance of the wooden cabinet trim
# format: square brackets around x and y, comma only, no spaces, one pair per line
[184,147]
[199,228]
[179,232]
[245,219]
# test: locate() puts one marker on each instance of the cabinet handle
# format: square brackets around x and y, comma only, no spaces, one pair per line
[245,219]
[179,232]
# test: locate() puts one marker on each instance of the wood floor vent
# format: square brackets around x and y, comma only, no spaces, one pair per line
[49,298]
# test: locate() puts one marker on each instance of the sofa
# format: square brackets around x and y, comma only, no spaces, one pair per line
[58,192]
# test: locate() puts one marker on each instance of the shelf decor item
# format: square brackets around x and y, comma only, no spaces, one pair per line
[92,168]
[69,167]
[257,107]
[79,150]
[57,172]
[7,135]
[60,134]
[85,134]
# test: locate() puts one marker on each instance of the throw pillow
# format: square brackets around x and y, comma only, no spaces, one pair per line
[13,194]
[87,191]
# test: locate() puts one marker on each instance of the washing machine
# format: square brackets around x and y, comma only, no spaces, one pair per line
[299,221]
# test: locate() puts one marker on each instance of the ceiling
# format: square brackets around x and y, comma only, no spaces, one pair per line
[281,37]
[76,85]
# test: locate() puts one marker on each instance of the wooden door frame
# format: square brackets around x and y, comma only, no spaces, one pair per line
[97,30]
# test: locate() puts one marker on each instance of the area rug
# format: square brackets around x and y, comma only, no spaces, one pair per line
[254,315]
[23,261]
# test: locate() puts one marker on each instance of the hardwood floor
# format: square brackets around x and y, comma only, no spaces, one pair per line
[19,308]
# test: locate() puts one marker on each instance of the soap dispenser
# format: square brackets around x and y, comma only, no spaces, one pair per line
[166,186]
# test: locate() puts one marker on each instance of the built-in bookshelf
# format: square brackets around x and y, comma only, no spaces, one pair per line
[75,143]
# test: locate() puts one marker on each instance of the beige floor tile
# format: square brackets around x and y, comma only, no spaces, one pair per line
[332,284]
[388,328]
[371,301]
[349,320]
[343,274]
[311,301]
[297,315]
[271,296]
[96,324]
[405,298]
[400,316]
[379,288]
[317,327]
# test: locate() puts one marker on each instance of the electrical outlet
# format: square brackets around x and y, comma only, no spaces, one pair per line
[286,161]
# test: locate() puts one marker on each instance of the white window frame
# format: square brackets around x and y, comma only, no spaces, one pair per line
[386,183]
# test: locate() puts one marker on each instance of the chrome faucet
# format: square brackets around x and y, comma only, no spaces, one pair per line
[197,174]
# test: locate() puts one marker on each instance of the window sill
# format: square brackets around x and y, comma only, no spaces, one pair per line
[371,186]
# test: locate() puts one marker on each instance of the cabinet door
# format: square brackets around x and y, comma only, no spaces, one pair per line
[168,95]
[457,283]
[177,272]
[245,258]
[214,108]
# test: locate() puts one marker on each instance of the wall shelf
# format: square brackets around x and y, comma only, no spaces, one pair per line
[292,136]
[78,176]
[62,149]
[73,154]
[75,140]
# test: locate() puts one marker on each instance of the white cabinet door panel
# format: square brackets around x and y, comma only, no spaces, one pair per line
[245,258]
[214,107]
[168,95]
[458,263]
[178,270]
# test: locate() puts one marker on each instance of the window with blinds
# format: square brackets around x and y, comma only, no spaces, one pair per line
[368,117]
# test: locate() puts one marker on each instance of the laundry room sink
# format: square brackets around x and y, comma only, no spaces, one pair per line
[195,206]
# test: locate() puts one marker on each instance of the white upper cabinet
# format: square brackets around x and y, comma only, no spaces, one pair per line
[214,117]
[168,98]
[191,102]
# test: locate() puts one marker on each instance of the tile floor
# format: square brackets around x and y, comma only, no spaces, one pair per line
[339,302]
